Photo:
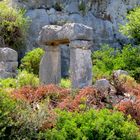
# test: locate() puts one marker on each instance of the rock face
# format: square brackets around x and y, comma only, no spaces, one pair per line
[39,18]
[104,16]
[79,42]
[8,63]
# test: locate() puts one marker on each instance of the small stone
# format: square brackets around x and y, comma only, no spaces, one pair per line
[102,85]
[117,73]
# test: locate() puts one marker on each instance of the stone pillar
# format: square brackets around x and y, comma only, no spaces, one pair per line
[8,62]
[80,63]
[50,66]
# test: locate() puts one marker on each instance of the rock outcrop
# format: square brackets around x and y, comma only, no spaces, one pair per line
[8,63]
[104,16]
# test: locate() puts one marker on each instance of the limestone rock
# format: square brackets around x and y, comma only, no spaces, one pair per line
[49,35]
[76,31]
[39,18]
[54,35]
[80,68]
[7,54]
[85,45]
[72,7]
[117,73]
[8,62]
[102,85]
[11,66]
[4,74]
[97,14]
[50,66]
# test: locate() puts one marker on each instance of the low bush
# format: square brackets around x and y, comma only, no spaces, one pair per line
[30,62]
[130,108]
[31,94]
[92,125]
[27,79]
[131,28]
[23,79]
[65,83]
[13,26]
[108,59]
[8,83]
[83,99]
[32,118]
[7,109]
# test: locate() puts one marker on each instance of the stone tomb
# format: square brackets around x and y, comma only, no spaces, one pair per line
[79,38]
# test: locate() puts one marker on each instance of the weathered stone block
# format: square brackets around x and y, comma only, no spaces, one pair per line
[76,31]
[7,54]
[49,36]
[50,66]
[102,85]
[80,67]
[81,44]
[8,62]
[55,35]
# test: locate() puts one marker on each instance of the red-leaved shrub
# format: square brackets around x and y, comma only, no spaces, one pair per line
[88,96]
[131,108]
[31,94]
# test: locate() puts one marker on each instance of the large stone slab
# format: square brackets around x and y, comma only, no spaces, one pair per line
[76,31]
[50,66]
[55,35]
[80,67]
[49,35]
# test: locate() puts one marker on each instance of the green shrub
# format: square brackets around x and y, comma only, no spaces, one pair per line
[13,25]
[65,83]
[93,125]
[23,79]
[8,83]
[19,120]
[132,27]
[108,59]
[30,119]
[7,108]
[27,79]
[31,60]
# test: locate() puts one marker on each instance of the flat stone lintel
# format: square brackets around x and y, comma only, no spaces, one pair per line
[57,42]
